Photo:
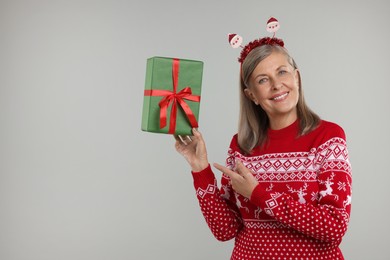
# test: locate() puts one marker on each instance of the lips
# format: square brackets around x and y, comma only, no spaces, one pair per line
[280,97]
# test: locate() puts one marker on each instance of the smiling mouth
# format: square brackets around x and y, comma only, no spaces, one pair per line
[280,97]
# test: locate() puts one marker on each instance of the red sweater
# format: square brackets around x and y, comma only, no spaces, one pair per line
[300,208]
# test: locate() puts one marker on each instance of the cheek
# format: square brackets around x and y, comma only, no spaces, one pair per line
[296,95]
[261,94]
[297,83]
[293,83]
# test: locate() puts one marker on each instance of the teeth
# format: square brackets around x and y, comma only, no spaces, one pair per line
[281,96]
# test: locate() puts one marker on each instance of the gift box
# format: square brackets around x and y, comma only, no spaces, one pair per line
[172,95]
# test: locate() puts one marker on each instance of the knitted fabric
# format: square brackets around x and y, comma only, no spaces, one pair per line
[301,207]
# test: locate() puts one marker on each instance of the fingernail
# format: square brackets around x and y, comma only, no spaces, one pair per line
[182,140]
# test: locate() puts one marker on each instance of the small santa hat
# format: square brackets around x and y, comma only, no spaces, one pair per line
[231,36]
[271,20]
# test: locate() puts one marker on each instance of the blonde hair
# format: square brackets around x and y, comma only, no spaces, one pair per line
[253,120]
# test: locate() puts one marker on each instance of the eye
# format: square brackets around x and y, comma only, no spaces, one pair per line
[263,80]
[282,72]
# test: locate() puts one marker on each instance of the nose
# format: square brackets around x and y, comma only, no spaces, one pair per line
[276,84]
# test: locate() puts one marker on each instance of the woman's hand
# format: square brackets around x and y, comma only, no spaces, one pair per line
[193,149]
[242,179]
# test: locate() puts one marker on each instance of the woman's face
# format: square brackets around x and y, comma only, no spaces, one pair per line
[274,85]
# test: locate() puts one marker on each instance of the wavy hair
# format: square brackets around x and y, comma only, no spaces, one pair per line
[253,120]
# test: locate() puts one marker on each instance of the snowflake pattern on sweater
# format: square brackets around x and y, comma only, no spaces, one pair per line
[299,210]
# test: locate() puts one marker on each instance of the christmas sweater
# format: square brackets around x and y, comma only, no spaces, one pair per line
[301,207]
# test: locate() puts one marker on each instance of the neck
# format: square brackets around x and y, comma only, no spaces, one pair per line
[282,122]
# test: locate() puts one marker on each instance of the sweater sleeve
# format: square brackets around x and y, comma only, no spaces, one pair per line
[220,213]
[328,219]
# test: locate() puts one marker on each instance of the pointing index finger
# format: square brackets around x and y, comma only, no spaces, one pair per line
[225,170]
[242,169]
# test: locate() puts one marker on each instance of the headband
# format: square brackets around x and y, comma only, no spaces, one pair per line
[235,40]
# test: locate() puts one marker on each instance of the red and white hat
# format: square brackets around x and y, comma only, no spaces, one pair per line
[231,36]
[272,20]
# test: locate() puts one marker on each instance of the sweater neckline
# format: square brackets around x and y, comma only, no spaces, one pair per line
[286,132]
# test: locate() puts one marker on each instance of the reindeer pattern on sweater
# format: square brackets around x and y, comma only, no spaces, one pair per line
[301,206]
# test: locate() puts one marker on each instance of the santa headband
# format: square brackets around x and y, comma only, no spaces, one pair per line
[235,40]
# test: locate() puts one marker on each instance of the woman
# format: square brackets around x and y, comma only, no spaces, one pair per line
[286,188]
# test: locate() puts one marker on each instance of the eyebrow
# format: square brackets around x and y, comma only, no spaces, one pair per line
[260,75]
[280,67]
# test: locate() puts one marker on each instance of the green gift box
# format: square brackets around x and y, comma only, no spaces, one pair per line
[172,95]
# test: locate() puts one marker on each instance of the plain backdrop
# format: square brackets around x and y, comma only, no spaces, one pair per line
[79,179]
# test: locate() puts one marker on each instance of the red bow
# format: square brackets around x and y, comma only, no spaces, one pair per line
[174,98]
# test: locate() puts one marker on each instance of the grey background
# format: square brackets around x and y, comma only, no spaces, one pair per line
[80,180]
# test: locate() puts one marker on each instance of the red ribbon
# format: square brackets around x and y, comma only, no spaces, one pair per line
[174,98]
